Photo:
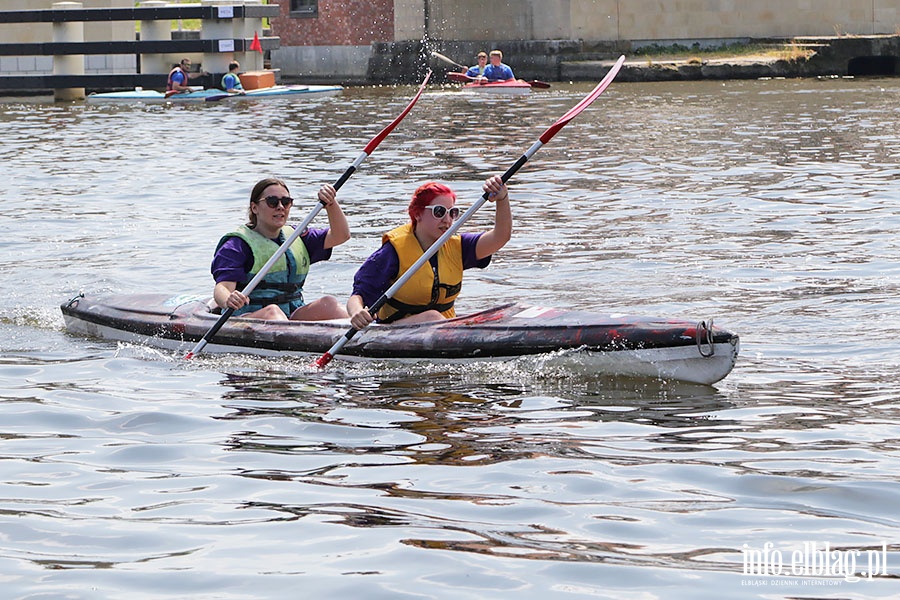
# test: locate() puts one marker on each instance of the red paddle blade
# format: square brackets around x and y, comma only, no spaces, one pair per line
[322,361]
[384,132]
[585,102]
[459,77]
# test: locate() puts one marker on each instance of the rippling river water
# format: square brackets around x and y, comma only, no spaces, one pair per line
[771,206]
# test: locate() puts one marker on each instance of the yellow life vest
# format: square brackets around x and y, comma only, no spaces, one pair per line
[434,288]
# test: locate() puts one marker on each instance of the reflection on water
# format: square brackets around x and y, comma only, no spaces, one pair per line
[769,205]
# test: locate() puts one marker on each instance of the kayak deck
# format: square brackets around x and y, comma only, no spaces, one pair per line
[215,95]
[291,90]
[618,344]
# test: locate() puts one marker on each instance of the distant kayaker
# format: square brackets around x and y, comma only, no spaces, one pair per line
[497,71]
[180,76]
[231,82]
[429,295]
[242,253]
[477,71]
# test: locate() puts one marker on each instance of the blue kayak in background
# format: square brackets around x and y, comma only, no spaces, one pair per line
[215,95]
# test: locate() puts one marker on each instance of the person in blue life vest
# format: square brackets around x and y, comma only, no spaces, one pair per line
[180,77]
[241,254]
[231,82]
[477,71]
[429,295]
[497,71]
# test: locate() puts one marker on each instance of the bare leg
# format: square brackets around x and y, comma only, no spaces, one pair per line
[272,312]
[422,317]
[326,307]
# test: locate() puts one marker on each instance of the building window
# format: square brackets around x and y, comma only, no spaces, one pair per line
[304,8]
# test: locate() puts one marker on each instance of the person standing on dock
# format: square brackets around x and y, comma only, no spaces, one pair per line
[497,71]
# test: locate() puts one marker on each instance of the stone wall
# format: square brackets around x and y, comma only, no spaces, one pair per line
[658,20]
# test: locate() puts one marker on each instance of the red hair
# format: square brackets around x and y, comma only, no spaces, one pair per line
[423,196]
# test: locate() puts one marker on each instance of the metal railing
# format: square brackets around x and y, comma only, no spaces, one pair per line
[223,36]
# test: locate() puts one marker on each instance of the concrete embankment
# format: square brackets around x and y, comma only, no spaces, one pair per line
[803,57]
[569,60]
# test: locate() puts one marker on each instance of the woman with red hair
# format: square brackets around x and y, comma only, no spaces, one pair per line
[429,294]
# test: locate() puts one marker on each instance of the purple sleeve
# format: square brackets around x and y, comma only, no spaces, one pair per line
[230,260]
[382,267]
[315,244]
[234,259]
[469,241]
[374,277]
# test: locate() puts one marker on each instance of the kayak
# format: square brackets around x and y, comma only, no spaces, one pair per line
[290,90]
[215,95]
[138,94]
[513,87]
[620,345]
[517,87]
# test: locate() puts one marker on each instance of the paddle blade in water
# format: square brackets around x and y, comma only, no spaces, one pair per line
[322,361]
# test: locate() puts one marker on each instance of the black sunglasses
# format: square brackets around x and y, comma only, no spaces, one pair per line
[439,211]
[273,201]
